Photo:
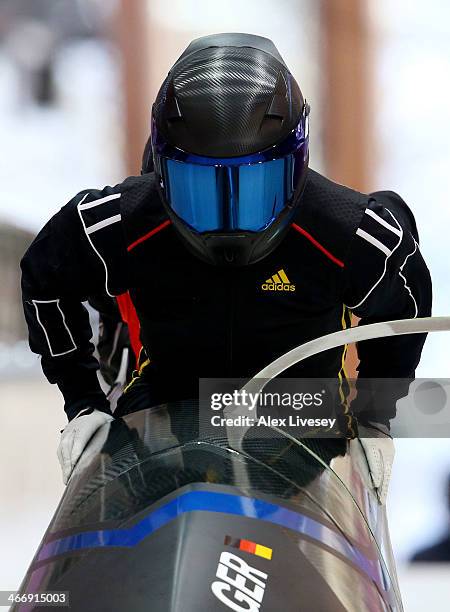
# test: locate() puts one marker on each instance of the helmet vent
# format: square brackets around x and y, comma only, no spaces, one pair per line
[173,112]
[279,106]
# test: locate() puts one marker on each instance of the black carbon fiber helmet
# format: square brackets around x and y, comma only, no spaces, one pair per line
[229,145]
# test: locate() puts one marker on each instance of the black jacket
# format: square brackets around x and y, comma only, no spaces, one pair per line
[346,251]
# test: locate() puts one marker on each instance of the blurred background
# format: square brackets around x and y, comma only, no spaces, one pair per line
[77,79]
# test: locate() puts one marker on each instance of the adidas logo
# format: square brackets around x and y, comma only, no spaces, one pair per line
[278,282]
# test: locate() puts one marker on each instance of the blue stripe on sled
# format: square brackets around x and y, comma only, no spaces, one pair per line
[209,501]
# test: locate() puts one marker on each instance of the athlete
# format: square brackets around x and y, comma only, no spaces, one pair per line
[231,250]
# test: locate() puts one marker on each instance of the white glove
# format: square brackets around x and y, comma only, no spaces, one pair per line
[379,450]
[75,437]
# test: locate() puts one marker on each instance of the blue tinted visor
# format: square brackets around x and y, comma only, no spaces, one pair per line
[235,197]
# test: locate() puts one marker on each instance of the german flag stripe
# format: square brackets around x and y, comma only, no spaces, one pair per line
[250,547]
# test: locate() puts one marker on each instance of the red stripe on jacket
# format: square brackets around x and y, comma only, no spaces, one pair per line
[149,235]
[130,317]
[317,244]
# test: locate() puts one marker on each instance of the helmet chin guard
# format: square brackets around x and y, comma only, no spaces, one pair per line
[236,248]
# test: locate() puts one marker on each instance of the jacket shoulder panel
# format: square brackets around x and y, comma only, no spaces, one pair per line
[142,208]
[397,205]
[331,213]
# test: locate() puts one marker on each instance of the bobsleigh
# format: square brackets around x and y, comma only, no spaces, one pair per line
[163,515]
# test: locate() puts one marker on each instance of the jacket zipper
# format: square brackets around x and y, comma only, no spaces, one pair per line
[231,329]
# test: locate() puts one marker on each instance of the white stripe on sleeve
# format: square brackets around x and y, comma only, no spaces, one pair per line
[97,226]
[374,241]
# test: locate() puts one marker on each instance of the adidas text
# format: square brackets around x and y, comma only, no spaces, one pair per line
[278,282]
[277,287]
